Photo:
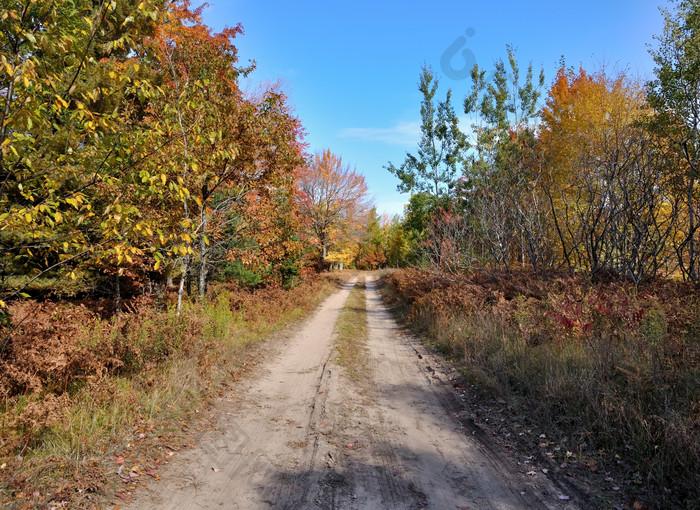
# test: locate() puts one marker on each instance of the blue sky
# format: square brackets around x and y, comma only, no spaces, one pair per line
[351,68]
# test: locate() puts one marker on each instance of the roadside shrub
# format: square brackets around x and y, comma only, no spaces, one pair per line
[238,272]
[60,350]
[615,364]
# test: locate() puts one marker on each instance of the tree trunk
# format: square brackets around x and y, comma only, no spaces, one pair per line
[560,234]
[183,277]
[117,296]
[692,270]
[204,251]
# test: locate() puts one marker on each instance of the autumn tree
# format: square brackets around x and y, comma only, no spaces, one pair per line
[399,243]
[675,96]
[262,243]
[450,244]
[332,199]
[126,142]
[371,253]
[198,75]
[608,181]
[72,90]
[435,166]
[225,145]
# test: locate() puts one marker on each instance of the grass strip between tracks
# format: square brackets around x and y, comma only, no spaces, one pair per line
[352,332]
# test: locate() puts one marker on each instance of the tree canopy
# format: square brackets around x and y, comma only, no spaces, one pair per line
[441,148]
[333,198]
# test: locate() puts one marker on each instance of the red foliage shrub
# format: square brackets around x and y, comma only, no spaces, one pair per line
[56,348]
[609,361]
[44,351]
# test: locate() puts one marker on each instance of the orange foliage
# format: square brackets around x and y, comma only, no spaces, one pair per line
[332,199]
[582,113]
[272,225]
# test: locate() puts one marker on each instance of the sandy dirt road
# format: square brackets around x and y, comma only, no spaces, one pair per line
[306,436]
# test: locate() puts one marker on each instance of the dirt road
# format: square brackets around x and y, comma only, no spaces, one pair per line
[306,436]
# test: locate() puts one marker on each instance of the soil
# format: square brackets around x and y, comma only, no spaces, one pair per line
[302,434]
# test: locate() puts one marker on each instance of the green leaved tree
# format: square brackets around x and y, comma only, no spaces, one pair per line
[435,166]
[675,94]
[500,188]
[72,90]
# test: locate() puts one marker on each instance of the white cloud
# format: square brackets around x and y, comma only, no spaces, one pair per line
[402,133]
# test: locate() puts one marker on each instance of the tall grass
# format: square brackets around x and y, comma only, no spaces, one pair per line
[613,366]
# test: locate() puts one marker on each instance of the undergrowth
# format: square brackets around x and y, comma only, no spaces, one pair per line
[611,368]
[79,394]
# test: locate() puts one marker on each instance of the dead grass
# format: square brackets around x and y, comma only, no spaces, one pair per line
[88,403]
[351,334]
[610,371]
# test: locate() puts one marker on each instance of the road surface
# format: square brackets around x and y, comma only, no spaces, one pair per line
[304,435]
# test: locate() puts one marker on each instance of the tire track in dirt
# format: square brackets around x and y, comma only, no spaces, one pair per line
[444,465]
[261,456]
[306,435]
[411,453]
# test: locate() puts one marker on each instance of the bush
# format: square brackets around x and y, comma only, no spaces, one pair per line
[74,381]
[613,363]
[237,272]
